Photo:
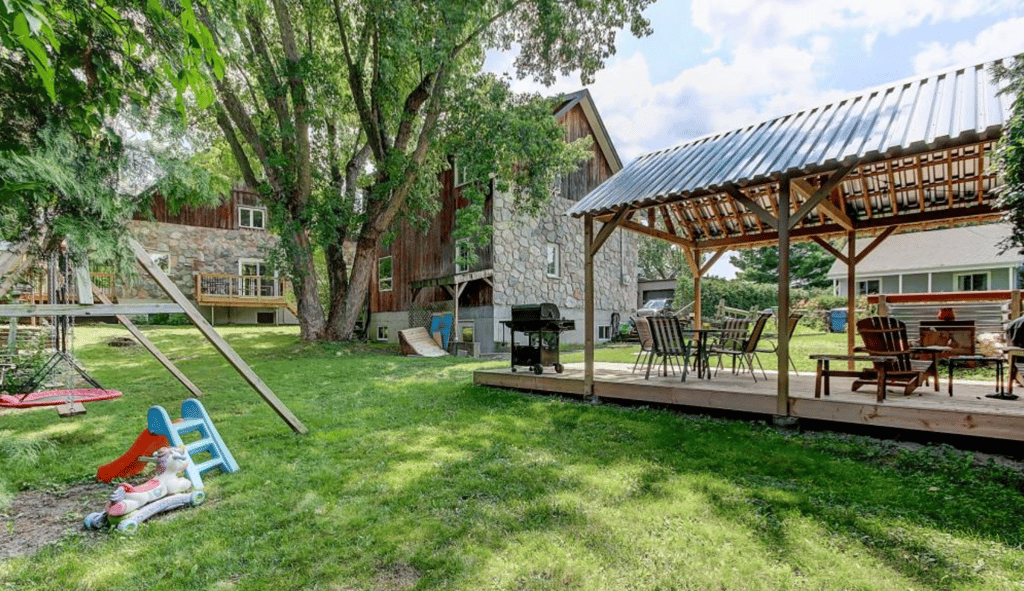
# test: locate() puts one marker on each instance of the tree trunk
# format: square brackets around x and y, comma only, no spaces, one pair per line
[359,284]
[312,325]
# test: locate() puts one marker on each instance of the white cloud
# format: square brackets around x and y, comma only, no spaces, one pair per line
[770,22]
[1002,39]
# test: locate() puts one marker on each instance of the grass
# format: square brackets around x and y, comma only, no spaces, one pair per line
[413,478]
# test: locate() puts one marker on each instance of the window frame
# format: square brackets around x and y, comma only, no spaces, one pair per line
[606,329]
[265,286]
[986,274]
[382,332]
[251,209]
[390,279]
[459,245]
[555,260]
[457,172]
[867,289]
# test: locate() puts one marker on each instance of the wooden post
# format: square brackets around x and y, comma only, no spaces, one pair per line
[588,305]
[782,389]
[698,309]
[1015,308]
[215,339]
[883,307]
[851,291]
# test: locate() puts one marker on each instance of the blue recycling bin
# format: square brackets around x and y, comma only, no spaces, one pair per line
[837,319]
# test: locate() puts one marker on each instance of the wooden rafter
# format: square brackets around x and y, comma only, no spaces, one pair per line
[669,226]
[803,188]
[655,233]
[761,213]
[821,193]
[607,229]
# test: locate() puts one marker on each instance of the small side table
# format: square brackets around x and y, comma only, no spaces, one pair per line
[962,360]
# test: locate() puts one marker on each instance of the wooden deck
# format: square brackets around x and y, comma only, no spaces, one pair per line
[968,412]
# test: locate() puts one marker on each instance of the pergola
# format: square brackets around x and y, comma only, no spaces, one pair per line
[910,155]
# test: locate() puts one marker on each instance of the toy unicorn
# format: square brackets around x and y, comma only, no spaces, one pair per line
[130,505]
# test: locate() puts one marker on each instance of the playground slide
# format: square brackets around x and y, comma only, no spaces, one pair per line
[417,341]
[129,464]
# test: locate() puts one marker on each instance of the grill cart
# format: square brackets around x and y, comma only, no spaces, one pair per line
[542,325]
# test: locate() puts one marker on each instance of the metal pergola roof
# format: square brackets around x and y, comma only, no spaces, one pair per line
[914,153]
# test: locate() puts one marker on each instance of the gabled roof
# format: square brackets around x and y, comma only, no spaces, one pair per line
[604,141]
[963,248]
[958,106]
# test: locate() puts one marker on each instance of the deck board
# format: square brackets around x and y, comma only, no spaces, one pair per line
[967,412]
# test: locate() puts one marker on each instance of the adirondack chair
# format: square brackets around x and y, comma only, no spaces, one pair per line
[668,344]
[746,351]
[885,340]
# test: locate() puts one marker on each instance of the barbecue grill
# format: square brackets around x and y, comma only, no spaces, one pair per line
[542,325]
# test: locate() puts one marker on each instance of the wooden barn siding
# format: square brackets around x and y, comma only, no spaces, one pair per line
[591,173]
[417,256]
[223,216]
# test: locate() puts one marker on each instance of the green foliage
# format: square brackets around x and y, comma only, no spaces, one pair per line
[1009,153]
[808,265]
[745,295]
[659,259]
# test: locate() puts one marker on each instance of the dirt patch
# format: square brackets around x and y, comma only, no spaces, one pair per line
[36,518]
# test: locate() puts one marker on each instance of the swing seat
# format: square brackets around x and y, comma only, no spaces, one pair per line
[56,397]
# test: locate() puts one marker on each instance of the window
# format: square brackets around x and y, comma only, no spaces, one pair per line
[972,282]
[461,174]
[161,260]
[384,274]
[869,286]
[255,279]
[604,332]
[382,333]
[461,254]
[552,264]
[252,217]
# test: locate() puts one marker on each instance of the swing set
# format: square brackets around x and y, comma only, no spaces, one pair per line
[71,294]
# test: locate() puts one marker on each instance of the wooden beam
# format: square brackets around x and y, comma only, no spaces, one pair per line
[452,279]
[711,261]
[606,230]
[819,194]
[762,214]
[588,305]
[153,349]
[875,243]
[851,293]
[642,229]
[215,339]
[85,311]
[782,386]
[804,188]
[831,249]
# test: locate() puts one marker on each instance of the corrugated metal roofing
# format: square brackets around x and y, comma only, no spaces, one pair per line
[938,111]
[950,249]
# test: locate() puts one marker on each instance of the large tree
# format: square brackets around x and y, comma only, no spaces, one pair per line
[660,259]
[1009,157]
[343,112]
[70,69]
[808,263]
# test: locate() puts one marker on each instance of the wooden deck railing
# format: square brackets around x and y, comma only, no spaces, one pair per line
[221,289]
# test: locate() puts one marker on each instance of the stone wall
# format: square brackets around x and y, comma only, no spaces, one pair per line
[193,250]
[520,259]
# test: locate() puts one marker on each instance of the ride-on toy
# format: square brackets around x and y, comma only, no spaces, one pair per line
[131,505]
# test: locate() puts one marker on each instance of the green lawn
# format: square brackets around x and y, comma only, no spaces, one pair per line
[412,478]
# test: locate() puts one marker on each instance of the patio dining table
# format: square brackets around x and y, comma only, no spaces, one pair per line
[701,351]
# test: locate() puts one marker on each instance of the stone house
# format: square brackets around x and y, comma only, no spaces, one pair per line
[217,256]
[528,261]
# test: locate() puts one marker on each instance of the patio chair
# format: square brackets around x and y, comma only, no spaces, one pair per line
[643,332]
[731,337]
[885,340]
[794,319]
[746,352]
[668,344]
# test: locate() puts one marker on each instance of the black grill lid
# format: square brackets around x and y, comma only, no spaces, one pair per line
[535,312]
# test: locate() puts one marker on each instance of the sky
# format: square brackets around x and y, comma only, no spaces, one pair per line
[716,65]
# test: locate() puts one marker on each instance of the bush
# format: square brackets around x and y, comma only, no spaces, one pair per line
[744,295]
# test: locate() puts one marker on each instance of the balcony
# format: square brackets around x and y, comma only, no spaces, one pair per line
[240,291]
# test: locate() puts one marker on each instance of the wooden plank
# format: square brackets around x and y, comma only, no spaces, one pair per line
[453,279]
[951,296]
[607,228]
[215,339]
[153,349]
[655,233]
[820,193]
[878,240]
[80,311]
[840,217]
[831,249]
[711,261]
[588,301]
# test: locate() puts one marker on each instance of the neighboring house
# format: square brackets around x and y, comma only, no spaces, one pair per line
[528,261]
[216,256]
[967,258]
